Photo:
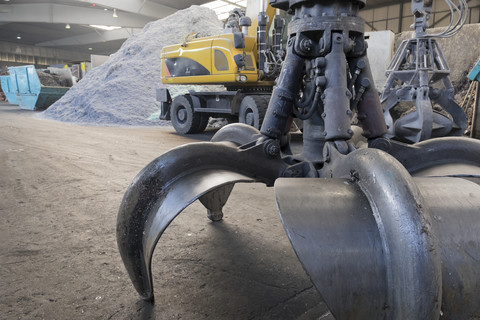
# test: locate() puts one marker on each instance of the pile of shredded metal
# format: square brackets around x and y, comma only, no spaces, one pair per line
[51,80]
[122,90]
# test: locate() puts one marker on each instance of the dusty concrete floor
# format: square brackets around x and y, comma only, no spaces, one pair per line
[60,189]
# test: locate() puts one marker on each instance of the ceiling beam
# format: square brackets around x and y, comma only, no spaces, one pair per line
[57,13]
[91,38]
[142,7]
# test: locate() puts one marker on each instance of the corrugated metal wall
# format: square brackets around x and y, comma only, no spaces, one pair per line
[397,17]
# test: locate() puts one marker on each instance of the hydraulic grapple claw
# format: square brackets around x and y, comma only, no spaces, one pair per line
[205,171]
[386,234]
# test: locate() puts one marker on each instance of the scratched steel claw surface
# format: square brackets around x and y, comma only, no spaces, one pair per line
[384,229]
[204,171]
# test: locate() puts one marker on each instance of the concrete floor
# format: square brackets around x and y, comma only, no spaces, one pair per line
[60,189]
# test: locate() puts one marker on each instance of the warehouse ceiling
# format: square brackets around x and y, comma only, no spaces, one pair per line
[70,24]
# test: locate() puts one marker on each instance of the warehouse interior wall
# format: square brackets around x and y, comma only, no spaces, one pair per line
[13,54]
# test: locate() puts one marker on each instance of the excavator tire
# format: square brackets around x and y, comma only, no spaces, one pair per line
[184,118]
[253,109]
[202,124]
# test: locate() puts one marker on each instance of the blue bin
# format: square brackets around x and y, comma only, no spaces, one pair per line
[31,93]
[475,73]
[8,89]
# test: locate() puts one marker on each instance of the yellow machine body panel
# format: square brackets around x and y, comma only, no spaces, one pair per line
[210,60]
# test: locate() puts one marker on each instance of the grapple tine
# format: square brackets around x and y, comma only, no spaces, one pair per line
[381,244]
[215,200]
[167,186]
[386,191]
[447,156]
[321,229]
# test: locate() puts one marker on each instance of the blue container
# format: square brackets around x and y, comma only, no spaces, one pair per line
[30,93]
[8,89]
[475,73]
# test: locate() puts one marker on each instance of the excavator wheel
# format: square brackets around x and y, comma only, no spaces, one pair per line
[252,110]
[184,118]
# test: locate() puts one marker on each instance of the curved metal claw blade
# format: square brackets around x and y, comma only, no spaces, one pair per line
[312,215]
[447,156]
[354,233]
[377,242]
[172,182]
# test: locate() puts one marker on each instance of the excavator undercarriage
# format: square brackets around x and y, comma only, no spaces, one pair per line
[384,229]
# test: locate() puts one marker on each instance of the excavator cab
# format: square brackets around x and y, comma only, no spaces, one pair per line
[385,229]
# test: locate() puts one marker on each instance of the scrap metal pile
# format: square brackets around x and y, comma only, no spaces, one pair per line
[385,229]
[122,90]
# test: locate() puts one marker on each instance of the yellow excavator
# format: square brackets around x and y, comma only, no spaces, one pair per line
[243,59]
